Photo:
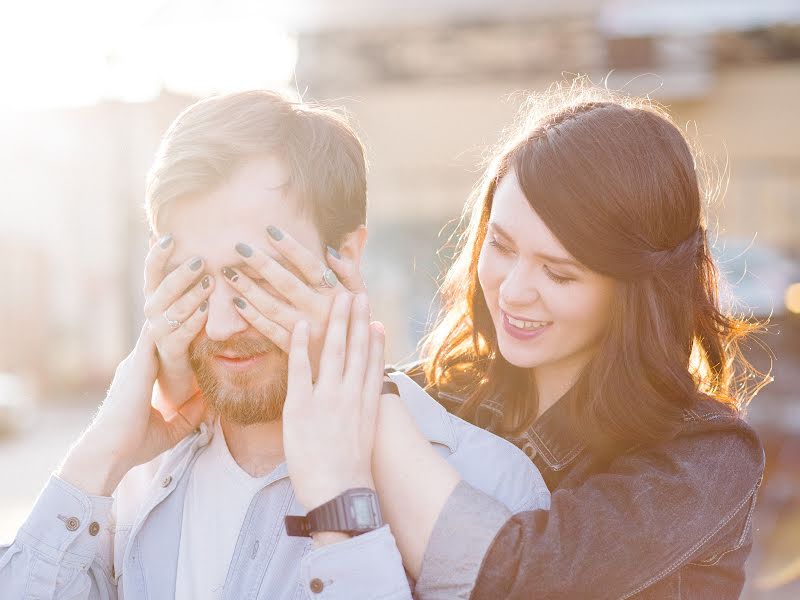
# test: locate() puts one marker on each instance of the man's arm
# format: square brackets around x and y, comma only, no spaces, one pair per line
[63,550]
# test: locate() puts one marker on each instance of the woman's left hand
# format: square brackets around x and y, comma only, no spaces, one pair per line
[329,425]
[299,290]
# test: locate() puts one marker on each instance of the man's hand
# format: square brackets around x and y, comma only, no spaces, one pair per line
[176,309]
[329,425]
[128,430]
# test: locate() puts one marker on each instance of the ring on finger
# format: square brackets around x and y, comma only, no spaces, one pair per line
[172,322]
[329,279]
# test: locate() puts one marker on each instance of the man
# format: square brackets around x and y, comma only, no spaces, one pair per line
[201,488]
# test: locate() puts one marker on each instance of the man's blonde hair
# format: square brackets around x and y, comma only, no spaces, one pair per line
[211,138]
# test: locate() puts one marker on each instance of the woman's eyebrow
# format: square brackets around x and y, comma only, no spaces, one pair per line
[559,260]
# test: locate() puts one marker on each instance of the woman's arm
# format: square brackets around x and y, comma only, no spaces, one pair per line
[412,480]
[623,530]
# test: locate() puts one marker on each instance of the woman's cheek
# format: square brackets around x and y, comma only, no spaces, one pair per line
[490,275]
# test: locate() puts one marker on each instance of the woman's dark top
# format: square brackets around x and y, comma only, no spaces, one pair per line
[668,520]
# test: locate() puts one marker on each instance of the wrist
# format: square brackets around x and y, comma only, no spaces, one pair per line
[336,487]
[326,538]
[94,465]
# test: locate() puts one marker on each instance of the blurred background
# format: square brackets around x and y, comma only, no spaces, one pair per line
[89,86]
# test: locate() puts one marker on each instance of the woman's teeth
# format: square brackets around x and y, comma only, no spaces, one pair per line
[527,324]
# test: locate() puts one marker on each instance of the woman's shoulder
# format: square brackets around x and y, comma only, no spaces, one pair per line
[715,438]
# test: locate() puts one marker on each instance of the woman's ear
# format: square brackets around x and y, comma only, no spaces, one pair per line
[352,246]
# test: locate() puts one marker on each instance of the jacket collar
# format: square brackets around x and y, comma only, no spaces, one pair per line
[554,440]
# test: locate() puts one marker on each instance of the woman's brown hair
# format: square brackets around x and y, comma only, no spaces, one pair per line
[617,183]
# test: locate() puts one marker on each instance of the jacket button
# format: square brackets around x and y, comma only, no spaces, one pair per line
[167,481]
[72,523]
[316,585]
[94,528]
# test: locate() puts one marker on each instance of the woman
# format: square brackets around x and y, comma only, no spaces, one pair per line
[591,335]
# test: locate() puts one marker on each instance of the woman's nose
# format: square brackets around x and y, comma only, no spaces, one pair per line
[519,288]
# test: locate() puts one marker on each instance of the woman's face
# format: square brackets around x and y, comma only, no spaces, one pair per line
[547,309]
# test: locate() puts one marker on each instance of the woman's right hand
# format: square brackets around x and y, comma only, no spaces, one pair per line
[176,309]
[128,430]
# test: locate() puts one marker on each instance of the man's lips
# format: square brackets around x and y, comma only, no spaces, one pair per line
[235,363]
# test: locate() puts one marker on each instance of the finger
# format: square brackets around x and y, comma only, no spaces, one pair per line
[272,307]
[358,343]
[299,384]
[277,276]
[271,330]
[347,271]
[186,305]
[172,287]
[305,262]
[331,363]
[175,344]
[155,263]
[373,381]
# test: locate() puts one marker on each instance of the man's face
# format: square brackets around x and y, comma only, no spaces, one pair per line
[210,225]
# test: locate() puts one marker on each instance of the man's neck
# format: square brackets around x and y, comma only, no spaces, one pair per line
[257,448]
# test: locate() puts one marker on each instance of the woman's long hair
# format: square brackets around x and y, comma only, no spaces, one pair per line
[619,186]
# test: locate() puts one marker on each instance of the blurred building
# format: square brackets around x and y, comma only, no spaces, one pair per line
[74,237]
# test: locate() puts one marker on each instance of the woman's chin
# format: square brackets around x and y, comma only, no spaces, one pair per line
[522,358]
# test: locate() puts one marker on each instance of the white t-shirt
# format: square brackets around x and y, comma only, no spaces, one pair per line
[217,498]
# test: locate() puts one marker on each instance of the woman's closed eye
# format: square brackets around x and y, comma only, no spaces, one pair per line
[557,278]
[500,247]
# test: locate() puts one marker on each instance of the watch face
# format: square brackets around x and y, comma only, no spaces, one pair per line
[362,508]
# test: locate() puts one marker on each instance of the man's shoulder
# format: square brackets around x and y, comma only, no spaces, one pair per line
[485,460]
[131,495]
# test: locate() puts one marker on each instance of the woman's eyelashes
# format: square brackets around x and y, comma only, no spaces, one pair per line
[500,247]
[557,278]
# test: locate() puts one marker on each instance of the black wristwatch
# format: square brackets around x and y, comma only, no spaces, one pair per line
[356,511]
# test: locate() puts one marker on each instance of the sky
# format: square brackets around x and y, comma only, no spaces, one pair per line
[62,54]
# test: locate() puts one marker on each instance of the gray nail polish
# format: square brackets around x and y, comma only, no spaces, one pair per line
[275,233]
[203,305]
[239,302]
[206,282]
[244,250]
[333,252]
[165,240]
[196,264]
[230,274]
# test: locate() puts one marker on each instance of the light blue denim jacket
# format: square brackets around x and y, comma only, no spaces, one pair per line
[74,545]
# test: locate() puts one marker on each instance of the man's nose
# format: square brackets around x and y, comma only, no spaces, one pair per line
[223,318]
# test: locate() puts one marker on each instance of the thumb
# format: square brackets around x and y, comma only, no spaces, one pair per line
[299,385]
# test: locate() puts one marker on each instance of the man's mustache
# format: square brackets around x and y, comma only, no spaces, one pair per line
[243,346]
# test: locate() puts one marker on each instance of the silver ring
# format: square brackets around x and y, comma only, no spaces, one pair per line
[329,279]
[172,323]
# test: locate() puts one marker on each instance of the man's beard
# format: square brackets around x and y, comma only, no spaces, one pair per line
[234,397]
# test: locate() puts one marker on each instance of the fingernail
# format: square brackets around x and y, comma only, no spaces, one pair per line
[230,274]
[275,233]
[203,305]
[206,282]
[239,302]
[333,252]
[165,240]
[244,250]
[378,327]
[196,264]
